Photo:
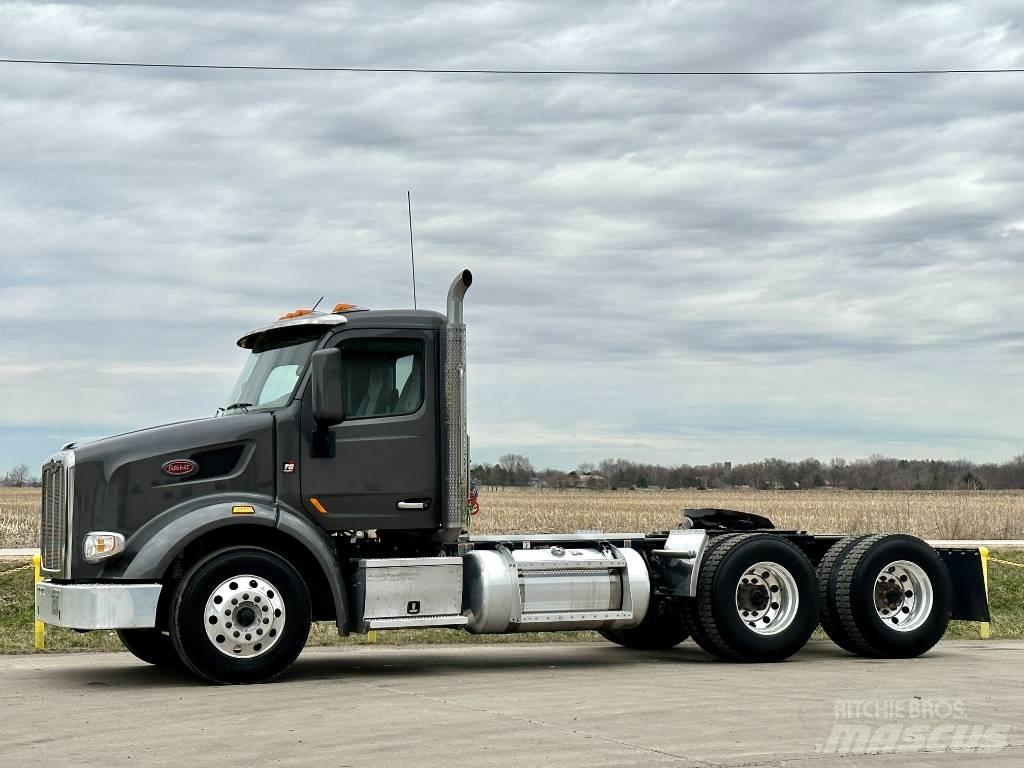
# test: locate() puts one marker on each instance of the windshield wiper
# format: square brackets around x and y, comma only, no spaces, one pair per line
[243,407]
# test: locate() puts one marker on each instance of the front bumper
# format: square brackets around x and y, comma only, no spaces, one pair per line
[97,606]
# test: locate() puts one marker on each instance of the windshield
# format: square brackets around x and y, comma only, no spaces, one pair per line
[272,372]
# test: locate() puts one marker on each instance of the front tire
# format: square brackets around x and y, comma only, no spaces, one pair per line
[241,615]
[151,646]
[757,599]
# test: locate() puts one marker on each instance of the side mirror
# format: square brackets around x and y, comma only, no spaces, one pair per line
[328,408]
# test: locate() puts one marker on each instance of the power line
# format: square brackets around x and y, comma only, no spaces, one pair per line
[502,72]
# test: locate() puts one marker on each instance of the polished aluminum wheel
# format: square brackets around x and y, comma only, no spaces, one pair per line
[244,616]
[767,598]
[903,595]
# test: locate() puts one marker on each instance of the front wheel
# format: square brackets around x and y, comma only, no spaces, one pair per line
[241,615]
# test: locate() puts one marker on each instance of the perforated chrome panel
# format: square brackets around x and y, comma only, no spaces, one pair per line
[457,448]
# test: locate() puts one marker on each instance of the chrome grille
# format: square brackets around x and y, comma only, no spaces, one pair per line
[53,531]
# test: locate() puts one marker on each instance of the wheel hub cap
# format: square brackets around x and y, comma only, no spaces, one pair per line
[767,598]
[903,595]
[244,616]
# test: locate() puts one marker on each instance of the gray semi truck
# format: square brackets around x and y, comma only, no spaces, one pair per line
[335,486]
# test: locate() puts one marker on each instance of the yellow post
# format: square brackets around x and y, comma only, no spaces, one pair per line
[371,636]
[40,628]
[984,628]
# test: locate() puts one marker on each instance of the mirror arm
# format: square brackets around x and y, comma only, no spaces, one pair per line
[322,442]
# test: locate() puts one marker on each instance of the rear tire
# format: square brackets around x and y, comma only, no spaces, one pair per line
[893,596]
[828,573]
[241,615]
[151,646]
[691,615]
[662,628]
[756,601]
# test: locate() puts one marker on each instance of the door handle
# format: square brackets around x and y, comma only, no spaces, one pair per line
[412,505]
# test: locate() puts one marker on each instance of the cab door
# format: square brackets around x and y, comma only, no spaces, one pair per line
[384,472]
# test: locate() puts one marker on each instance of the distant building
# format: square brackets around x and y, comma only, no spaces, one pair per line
[590,480]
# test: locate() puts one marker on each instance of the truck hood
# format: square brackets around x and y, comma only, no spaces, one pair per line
[123,482]
[176,437]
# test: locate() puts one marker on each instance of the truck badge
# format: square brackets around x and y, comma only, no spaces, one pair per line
[180,467]
[288,468]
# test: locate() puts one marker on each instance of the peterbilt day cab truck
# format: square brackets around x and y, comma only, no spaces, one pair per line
[335,486]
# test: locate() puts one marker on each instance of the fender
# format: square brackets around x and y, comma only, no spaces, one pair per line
[150,552]
[312,537]
[152,549]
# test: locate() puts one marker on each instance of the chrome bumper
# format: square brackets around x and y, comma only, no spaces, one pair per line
[97,606]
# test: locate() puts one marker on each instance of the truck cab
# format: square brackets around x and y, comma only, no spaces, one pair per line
[378,466]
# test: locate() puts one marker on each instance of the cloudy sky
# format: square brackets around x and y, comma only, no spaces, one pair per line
[667,269]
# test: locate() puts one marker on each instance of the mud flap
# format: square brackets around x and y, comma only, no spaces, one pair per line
[970,598]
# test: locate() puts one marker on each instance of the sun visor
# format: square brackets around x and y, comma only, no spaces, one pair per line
[284,328]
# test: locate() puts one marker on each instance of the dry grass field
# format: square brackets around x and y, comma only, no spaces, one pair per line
[930,514]
[19,517]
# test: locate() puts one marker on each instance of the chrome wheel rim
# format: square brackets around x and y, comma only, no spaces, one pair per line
[767,598]
[904,596]
[244,616]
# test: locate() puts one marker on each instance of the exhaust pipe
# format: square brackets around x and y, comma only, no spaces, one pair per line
[456,295]
[455,416]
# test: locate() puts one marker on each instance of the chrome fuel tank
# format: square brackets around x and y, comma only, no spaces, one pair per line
[550,588]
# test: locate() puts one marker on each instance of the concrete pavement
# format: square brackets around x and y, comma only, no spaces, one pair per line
[524,705]
[18,553]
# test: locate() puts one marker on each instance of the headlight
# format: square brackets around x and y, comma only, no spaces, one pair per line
[99,545]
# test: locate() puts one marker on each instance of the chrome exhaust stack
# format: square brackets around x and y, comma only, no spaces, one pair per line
[456,465]
[457,295]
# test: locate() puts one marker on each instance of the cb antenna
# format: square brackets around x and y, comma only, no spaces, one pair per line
[412,252]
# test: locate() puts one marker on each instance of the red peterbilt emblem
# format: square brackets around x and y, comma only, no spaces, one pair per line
[180,467]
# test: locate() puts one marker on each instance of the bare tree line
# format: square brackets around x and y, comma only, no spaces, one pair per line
[874,473]
[18,477]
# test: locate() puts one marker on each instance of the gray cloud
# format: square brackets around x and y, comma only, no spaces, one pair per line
[668,269]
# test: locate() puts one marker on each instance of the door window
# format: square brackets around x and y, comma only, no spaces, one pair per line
[382,377]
